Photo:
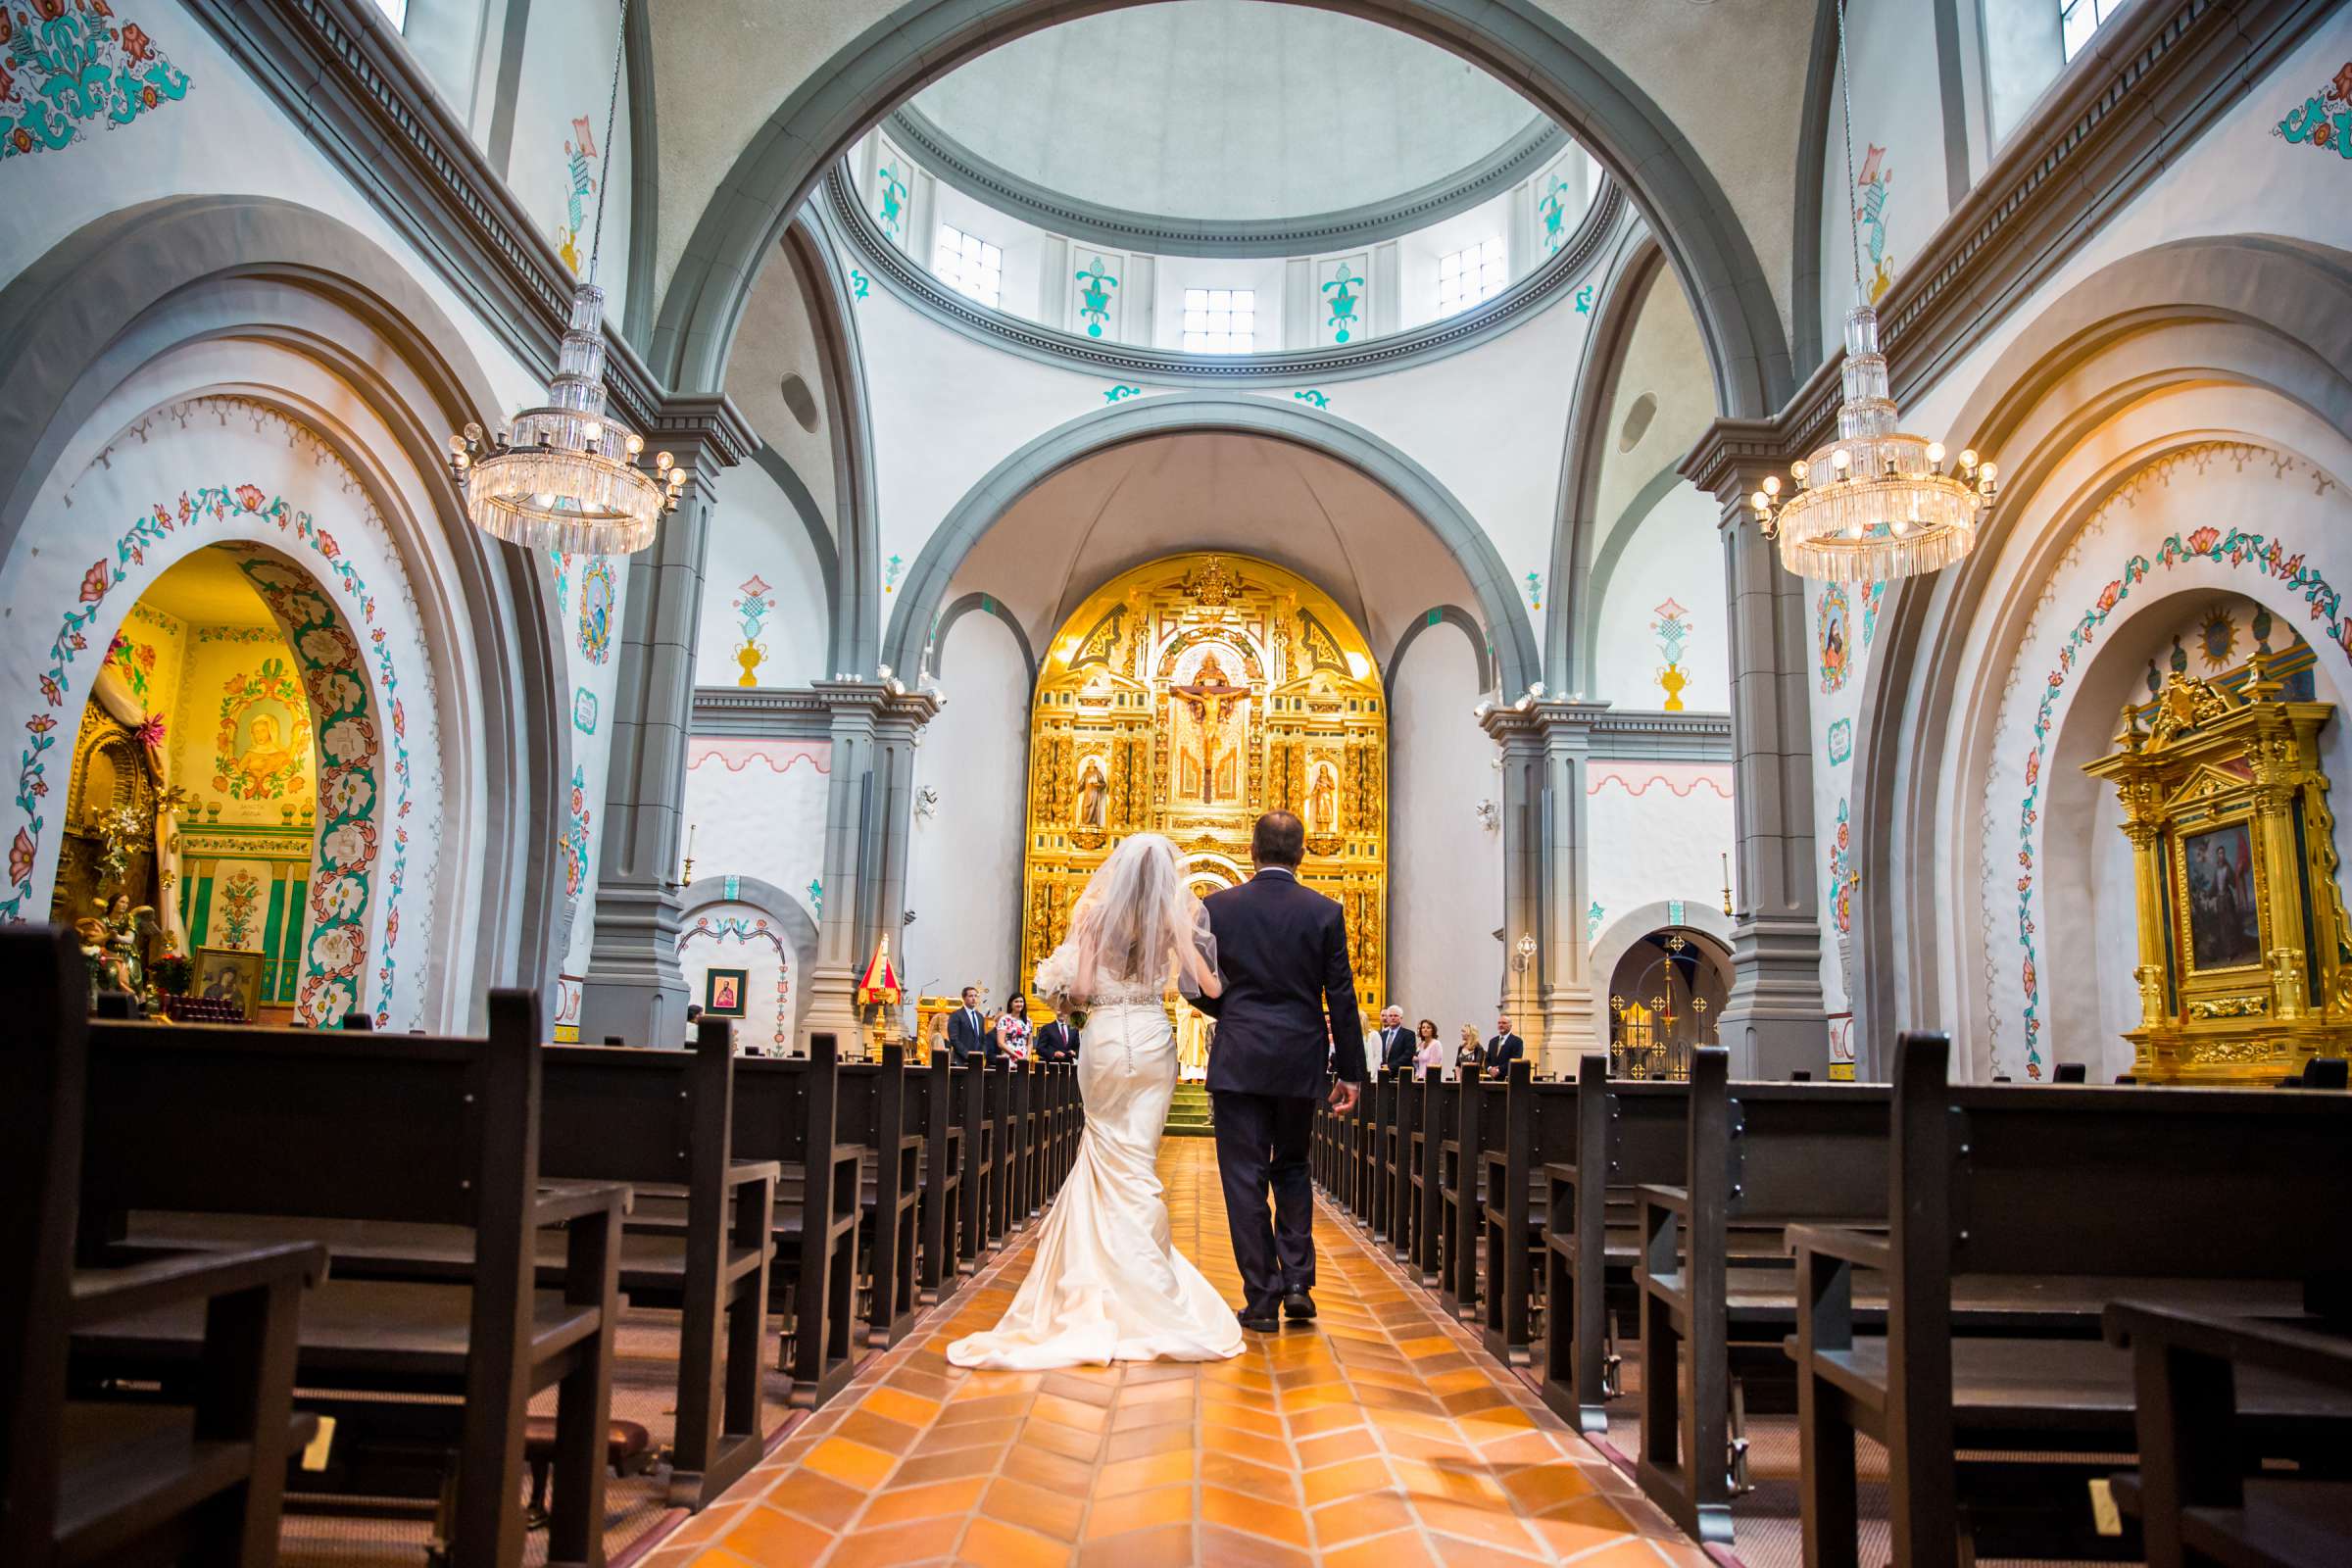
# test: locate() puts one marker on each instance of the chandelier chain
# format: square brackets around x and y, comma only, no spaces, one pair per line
[604,175]
[1845,95]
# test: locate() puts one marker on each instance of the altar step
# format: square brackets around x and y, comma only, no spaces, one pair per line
[1188,1113]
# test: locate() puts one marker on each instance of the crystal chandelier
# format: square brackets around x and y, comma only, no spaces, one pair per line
[1875,503]
[565,474]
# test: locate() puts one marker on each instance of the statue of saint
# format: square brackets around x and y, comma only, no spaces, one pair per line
[1209,771]
[1323,804]
[126,937]
[1093,795]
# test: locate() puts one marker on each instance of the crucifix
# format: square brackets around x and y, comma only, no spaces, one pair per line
[1212,698]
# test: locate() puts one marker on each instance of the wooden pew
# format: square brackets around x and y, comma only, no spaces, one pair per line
[1513,1210]
[787,1110]
[1378,1212]
[2064,1198]
[391,1130]
[1401,1149]
[665,1119]
[1440,1111]
[1478,1105]
[2192,1496]
[943,1188]
[874,1115]
[1758,1158]
[1627,1133]
[983,1148]
[88,1479]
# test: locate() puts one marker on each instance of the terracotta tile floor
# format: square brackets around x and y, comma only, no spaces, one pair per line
[1383,1436]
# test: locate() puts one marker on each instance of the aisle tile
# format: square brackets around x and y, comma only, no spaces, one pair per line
[1382,1437]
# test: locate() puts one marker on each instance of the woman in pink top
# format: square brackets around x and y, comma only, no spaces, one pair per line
[1432,1053]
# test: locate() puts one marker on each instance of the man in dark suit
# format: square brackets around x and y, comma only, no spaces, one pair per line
[968,1033]
[1289,997]
[1397,1046]
[1057,1041]
[1503,1049]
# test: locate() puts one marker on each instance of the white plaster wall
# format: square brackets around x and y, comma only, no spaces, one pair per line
[1659,830]
[759,534]
[1487,423]
[757,808]
[567,64]
[205,143]
[1444,864]
[745,935]
[963,868]
[1898,108]
[1676,554]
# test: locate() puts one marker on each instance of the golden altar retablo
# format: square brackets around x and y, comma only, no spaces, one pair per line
[2245,954]
[1185,698]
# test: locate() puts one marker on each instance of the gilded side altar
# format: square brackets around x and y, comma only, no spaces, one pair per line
[1187,697]
[2245,954]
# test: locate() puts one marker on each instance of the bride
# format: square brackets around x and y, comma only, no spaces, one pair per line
[1107,1283]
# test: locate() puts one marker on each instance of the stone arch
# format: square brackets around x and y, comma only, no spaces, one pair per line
[1617,938]
[1518,40]
[1163,413]
[987,605]
[2251,311]
[795,931]
[1462,621]
[131,288]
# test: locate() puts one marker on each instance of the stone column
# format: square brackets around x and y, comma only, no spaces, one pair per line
[869,808]
[634,989]
[1774,1021]
[1546,748]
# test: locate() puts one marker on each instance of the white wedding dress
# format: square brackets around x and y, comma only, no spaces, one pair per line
[1107,1283]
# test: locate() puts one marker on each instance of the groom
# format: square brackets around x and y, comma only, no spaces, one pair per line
[1289,997]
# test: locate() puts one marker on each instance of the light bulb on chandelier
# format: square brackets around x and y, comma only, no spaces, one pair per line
[564,475]
[1876,502]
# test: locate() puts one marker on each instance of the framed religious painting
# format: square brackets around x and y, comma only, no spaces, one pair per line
[224,974]
[724,992]
[2216,896]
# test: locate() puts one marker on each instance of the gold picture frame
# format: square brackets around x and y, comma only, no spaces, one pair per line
[229,974]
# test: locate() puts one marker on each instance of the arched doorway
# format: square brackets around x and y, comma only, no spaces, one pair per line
[226,777]
[1666,995]
[1186,697]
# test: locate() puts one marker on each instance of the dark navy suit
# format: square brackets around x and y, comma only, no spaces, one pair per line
[1056,1042]
[1281,949]
[969,1036]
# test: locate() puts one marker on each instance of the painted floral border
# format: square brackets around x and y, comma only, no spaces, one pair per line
[195,508]
[2233,548]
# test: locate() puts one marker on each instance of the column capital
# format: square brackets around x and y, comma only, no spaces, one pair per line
[706,433]
[1538,721]
[889,703]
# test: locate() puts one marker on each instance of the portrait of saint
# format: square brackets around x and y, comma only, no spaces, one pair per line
[723,993]
[2225,926]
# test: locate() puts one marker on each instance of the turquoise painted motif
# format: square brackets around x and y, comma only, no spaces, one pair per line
[816,895]
[66,66]
[891,571]
[584,708]
[2324,121]
[858,283]
[1122,391]
[2235,548]
[1673,627]
[1842,742]
[1340,293]
[1870,212]
[1093,296]
[579,157]
[890,204]
[1584,300]
[1533,583]
[1593,918]
[752,604]
[1554,208]
[1319,399]
[597,589]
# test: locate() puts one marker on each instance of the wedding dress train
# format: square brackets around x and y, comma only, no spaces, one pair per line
[1107,1283]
